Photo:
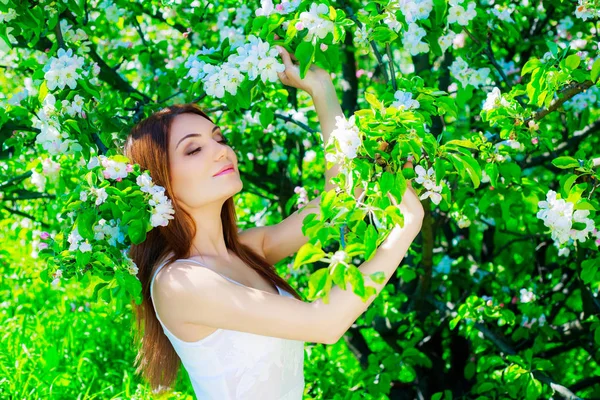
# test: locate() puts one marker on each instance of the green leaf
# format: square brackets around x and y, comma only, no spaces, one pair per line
[383,34]
[370,242]
[530,65]
[137,231]
[565,162]
[318,281]
[308,253]
[43,92]
[462,143]
[568,181]
[374,101]
[492,170]
[339,275]
[305,53]
[589,268]
[595,72]
[266,116]
[356,279]
[573,61]
[85,224]
[378,277]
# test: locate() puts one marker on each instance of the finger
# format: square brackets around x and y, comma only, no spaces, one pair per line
[285,56]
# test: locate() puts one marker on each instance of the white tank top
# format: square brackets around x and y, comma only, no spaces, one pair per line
[235,365]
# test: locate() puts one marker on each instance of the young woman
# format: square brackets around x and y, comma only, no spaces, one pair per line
[212,298]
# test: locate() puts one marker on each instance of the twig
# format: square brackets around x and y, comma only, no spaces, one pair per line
[391,63]
[59,37]
[22,214]
[300,124]
[569,92]
[16,179]
[572,143]
[30,196]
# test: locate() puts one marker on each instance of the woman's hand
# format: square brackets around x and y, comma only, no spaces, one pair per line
[315,79]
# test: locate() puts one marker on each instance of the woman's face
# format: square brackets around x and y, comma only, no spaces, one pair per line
[196,154]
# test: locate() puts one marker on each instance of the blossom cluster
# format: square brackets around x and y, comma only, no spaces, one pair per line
[253,59]
[428,180]
[50,137]
[285,7]
[412,40]
[347,135]
[559,215]
[112,169]
[64,70]
[8,16]
[302,196]
[77,242]
[412,10]
[109,231]
[162,210]
[79,35]
[313,21]
[467,75]
[586,10]
[447,40]
[494,100]
[50,170]
[73,108]
[461,13]
[502,13]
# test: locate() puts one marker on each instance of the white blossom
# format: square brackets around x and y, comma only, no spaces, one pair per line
[313,21]
[458,14]
[347,136]
[64,70]
[412,40]
[526,296]
[404,101]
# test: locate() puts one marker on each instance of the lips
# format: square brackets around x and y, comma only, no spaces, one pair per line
[225,168]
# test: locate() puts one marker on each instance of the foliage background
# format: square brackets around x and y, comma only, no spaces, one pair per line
[483,307]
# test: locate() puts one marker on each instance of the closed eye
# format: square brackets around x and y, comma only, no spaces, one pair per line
[223,140]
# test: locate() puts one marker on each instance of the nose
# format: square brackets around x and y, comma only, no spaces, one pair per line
[221,150]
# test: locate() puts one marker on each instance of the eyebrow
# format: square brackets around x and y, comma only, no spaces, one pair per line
[193,135]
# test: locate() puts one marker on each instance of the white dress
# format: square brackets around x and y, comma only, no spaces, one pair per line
[234,365]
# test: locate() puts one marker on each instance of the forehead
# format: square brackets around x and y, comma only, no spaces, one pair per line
[184,124]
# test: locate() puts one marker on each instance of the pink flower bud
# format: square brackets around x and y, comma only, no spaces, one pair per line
[185,34]
[534,140]
[44,235]
[279,7]
[119,179]
[42,246]
[129,168]
[83,115]
[299,26]
[323,47]
[106,174]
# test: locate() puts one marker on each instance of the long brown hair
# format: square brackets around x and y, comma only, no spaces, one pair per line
[147,145]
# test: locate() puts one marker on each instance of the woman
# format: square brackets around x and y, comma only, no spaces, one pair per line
[212,298]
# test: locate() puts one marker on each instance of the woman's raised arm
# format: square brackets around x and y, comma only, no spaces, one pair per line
[201,296]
